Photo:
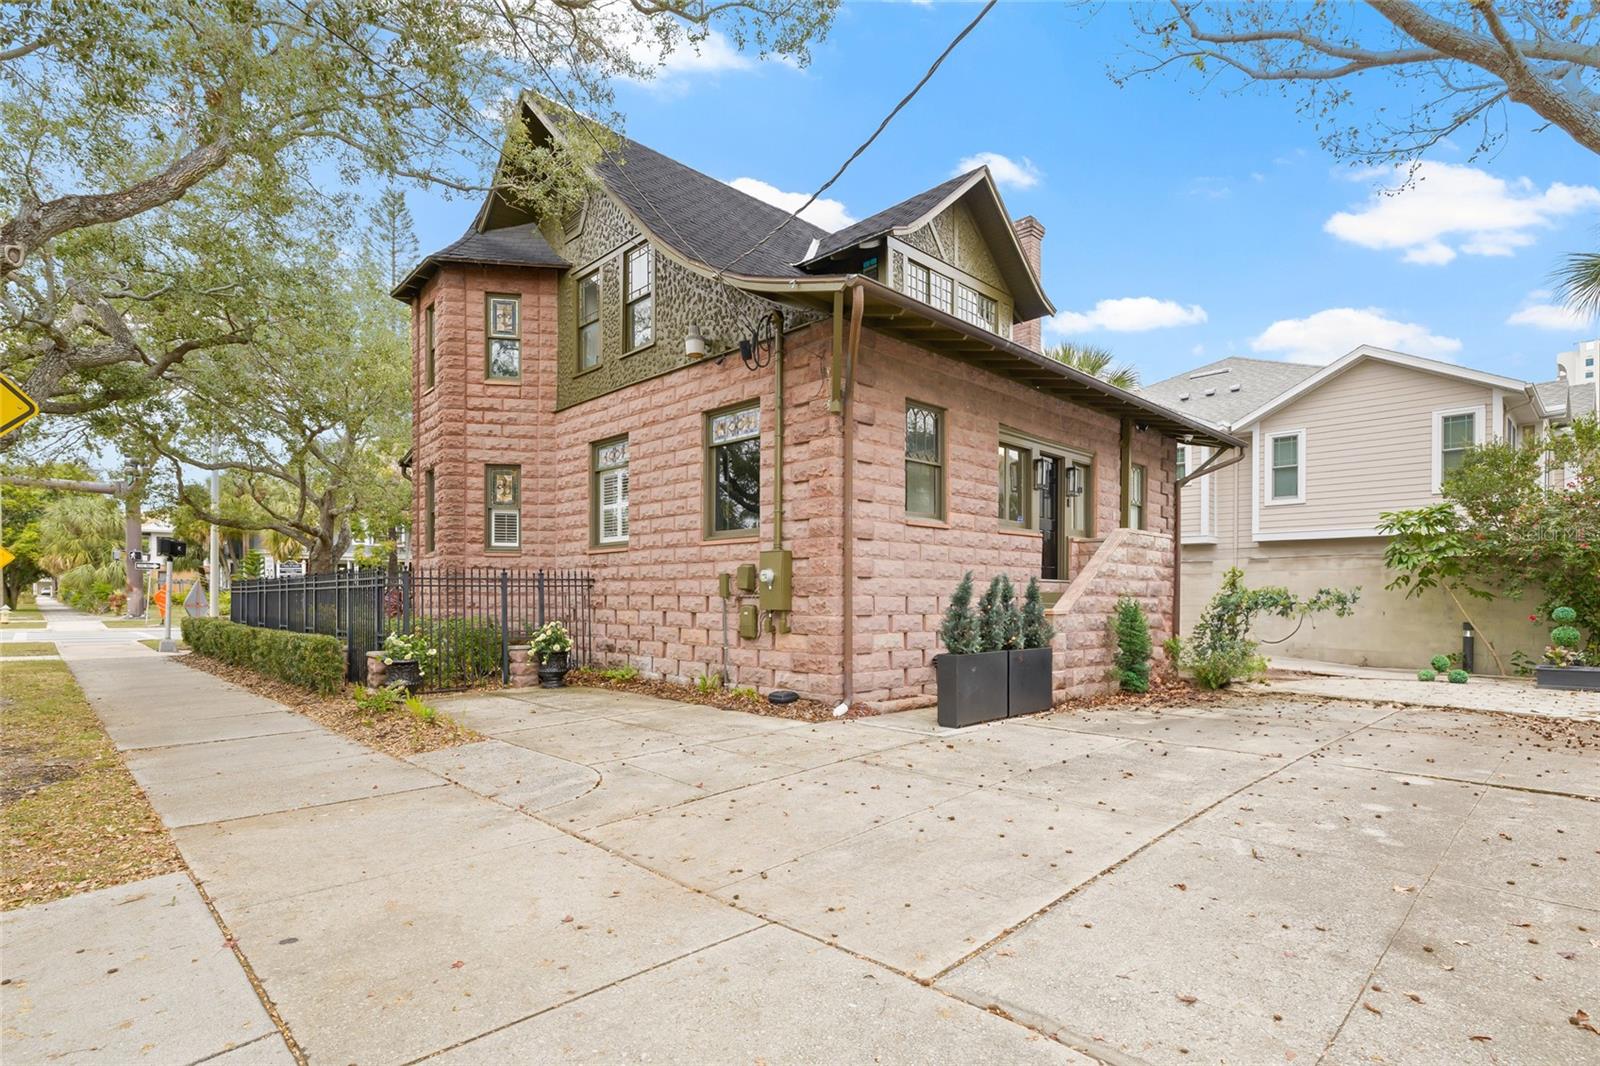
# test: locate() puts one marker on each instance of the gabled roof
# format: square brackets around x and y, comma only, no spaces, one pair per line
[1227,389]
[1552,395]
[520,245]
[977,187]
[905,215]
[1368,352]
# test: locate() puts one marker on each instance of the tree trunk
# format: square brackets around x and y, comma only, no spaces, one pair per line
[132,529]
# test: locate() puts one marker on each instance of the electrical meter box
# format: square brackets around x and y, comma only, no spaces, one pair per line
[725,586]
[745,578]
[775,580]
[749,622]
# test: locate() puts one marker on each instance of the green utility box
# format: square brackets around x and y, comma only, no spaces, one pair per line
[749,622]
[776,580]
[745,579]
[725,586]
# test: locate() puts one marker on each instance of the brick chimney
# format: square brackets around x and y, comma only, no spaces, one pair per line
[1030,234]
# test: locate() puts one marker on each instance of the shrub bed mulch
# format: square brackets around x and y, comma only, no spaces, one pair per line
[801,710]
[1164,692]
[72,818]
[394,733]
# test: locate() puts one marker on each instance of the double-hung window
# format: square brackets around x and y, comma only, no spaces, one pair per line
[1286,472]
[589,321]
[428,343]
[977,308]
[1182,469]
[1136,486]
[924,461]
[1458,432]
[503,337]
[1016,484]
[917,281]
[940,290]
[503,507]
[733,471]
[611,492]
[638,284]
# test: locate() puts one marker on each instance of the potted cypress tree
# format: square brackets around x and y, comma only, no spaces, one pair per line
[971,678]
[1566,662]
[1031,675]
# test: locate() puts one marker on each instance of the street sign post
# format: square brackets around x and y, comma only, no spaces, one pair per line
[167,643]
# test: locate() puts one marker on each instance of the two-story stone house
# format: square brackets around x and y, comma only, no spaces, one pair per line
[674,380]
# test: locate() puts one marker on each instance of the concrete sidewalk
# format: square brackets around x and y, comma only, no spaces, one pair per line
[391,915]
[1510,695]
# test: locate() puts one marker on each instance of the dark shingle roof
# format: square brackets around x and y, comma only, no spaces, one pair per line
[520,245]
[705,219]
[903,213]
[1258,381]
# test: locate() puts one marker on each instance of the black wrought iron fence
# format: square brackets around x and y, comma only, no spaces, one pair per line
[473,617]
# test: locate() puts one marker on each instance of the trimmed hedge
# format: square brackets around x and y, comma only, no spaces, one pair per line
[310,660]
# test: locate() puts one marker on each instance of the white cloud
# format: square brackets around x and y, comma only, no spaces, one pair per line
[1008,173]
[1451,210]
[1128,314]
[1327,335]
[1537,311]
[831,215]
[685,60]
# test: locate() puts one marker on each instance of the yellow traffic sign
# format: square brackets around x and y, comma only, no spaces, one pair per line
[16,406]
[5,557]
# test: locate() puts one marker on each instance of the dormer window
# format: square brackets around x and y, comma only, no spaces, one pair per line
[973,306]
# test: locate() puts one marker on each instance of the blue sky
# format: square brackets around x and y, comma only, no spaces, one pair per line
[1182,225]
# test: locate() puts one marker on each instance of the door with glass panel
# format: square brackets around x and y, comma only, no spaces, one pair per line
[1050,517]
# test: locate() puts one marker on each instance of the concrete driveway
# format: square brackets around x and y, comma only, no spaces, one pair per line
[612,878]
[1262,881]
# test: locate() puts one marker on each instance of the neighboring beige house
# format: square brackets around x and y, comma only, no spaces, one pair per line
[1330,449]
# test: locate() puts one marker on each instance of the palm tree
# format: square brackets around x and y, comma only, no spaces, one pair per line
[1096,361]
[1579,283]
[77,530]
[283,548]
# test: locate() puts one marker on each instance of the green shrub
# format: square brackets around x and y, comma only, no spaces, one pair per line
[1565,636]
[469,651]
[746,692]
[959,631]
[421,711]
[708,683]
[619,673]
[1220,666]
[1441,663]
[1132,658]
[1220,651]
[1036,630]
[380,700]
[309,660]
[1564,615]
[1458,677]
[1426,675]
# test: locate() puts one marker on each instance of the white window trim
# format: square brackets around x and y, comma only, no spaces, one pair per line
[1438,417]
[619,508]
[1269,499]
[1192,461]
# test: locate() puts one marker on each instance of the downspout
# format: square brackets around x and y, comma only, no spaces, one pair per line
[777,430]
[844,356]
[1210,466]
[1125,464]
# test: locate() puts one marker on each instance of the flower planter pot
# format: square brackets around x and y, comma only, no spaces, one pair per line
[1029,681]
[406,673]
[1573,678]
[972,688]
[553,669]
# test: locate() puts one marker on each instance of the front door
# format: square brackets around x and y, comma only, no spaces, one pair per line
[1049,519]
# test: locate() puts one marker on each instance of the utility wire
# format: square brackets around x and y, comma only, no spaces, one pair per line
[951,47]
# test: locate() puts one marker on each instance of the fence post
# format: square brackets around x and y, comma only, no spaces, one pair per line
[405,600]
[539,611]
[505,627]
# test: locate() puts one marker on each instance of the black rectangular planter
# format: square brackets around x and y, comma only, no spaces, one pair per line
[1029,681]
[1574,678]
[972,688]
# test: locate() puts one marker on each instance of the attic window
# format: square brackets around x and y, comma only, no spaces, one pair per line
[572,222]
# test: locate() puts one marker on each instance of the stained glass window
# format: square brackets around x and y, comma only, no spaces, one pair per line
[503,332]
[639,279]
[734,467]
[924,461]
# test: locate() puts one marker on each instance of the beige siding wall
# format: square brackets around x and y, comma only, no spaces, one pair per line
[1199,499]
[1368,447]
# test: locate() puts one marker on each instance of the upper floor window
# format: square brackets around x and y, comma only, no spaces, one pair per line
[503,334]
[733,471]
[924,461]
[1181,471]
[1454,434]
[1136,485]
[589,321]
[428,340]
[977,308]
[1015,483]
[611,492]
[638,283]
[1286,476]
[503,507]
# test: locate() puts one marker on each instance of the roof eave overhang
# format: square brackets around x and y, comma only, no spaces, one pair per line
[891,312]
[414,281]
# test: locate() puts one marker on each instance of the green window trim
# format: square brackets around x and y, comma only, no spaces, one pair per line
[502,336]
[925,448]
[608,493]
[732,473]
[638,298]
[502,508]
[1136,496]
[587,295]
[1015,485]
[430,342]
[430,513]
